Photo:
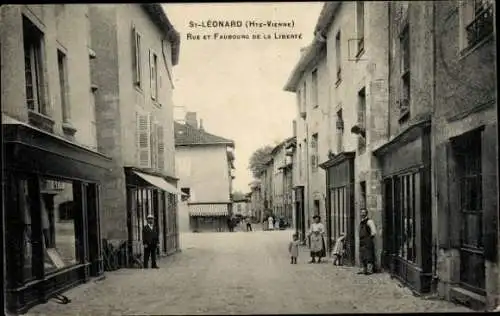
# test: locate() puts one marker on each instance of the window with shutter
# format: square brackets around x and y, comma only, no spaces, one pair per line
[153,147]
[136,57]
[144,140]
[154,75]
[161,147]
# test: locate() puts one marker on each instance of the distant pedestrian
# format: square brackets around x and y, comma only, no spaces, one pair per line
[249,225]
[276,224]
[338,251]
[293,248]
[317,243]
[270,222]
[150,241]
[230,224]
[367,231]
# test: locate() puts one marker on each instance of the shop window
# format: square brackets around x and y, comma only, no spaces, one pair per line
[25,227]
[406,189]
[34,67]
[58,224]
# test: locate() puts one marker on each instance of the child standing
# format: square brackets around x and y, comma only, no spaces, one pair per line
[338,250]
[293,249]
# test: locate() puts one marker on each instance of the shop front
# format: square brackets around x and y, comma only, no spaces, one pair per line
[407,219]
[151,194]
[210,216]
[340,202]
[52,215]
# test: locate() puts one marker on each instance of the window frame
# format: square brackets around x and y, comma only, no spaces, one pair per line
[469,16]
[153,66]
[360,27]
[35,38]
[62,63]
[137,58]
[338,57]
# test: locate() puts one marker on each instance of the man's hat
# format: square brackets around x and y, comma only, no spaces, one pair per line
[150,216]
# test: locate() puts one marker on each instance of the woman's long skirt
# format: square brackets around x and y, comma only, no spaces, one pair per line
[317,246]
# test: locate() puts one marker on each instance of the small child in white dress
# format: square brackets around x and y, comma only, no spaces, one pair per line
[338,250]
[293,249]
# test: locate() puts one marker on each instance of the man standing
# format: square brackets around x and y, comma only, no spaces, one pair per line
[249,224]
[150,241]
[367,231]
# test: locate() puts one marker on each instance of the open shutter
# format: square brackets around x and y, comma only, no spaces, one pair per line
[144,140]
[154,144]
[161,147]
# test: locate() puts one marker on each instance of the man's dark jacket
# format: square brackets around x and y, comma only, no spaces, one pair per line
[150,236]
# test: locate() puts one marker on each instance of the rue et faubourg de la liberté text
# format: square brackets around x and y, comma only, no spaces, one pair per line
[213,29]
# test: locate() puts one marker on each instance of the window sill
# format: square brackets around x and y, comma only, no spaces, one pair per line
[470,49]
[41,121]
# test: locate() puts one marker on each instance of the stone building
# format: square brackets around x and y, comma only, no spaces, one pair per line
[465,151]
[136,48]
[53,171]
[256,205]
[348,69]
[205,165]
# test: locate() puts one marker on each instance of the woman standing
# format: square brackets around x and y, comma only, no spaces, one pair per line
[317,243]
[270,222]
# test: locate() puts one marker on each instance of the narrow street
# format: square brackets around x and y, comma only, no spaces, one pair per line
[240,273]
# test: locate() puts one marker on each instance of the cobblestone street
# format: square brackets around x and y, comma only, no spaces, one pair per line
[240,273]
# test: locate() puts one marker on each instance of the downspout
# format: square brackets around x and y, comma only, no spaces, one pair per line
[307,178]
[434,208]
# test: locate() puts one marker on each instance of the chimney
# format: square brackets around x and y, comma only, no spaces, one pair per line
[191,119]
[201,124]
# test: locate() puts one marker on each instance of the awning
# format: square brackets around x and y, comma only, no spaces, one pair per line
[208,210]
[158,182]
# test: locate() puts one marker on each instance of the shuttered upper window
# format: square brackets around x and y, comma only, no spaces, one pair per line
[153,64]
[144,140]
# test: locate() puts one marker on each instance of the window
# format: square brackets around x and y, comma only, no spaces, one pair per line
[153,60]
[406,204]
[315,88]
[63,84]
[338,57]
[58,224]
[300,161]
[404,102]
[144,140]
[186,194]
[362,120]
[476,21]
[360,26]
[362,193]
[34,67]
[304,97]
[136,58]
[314,156]
[340,131]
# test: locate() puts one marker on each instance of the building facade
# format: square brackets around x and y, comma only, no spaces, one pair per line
[136,48]
[53,171]
[256,204]
[465,152]
[206,171]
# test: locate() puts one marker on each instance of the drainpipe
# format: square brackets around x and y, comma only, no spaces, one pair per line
[434,209]
[307,198]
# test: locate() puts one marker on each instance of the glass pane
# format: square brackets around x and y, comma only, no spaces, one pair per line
[25,217]
[472,269]
[472,230]
[58,224]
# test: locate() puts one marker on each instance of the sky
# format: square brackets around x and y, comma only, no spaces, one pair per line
[236,86]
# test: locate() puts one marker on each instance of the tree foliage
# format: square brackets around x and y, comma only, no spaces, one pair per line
[238,196]
[259,159]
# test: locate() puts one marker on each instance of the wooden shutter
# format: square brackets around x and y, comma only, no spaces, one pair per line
[154,143]
[144,140]
[161,147]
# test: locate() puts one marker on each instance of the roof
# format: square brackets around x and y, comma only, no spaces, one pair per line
[187,135]
[316,47]
[157,14]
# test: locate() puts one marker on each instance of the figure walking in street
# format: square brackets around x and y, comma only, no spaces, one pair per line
[249,224]
[293,248]
[276,224]
[367,231]
[270,222]
[339,250]
[317,243]
[150,241]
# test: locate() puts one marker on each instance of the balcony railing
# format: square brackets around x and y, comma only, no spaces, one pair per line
[482,26]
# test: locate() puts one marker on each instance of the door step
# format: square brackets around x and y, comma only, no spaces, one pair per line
[467,298]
